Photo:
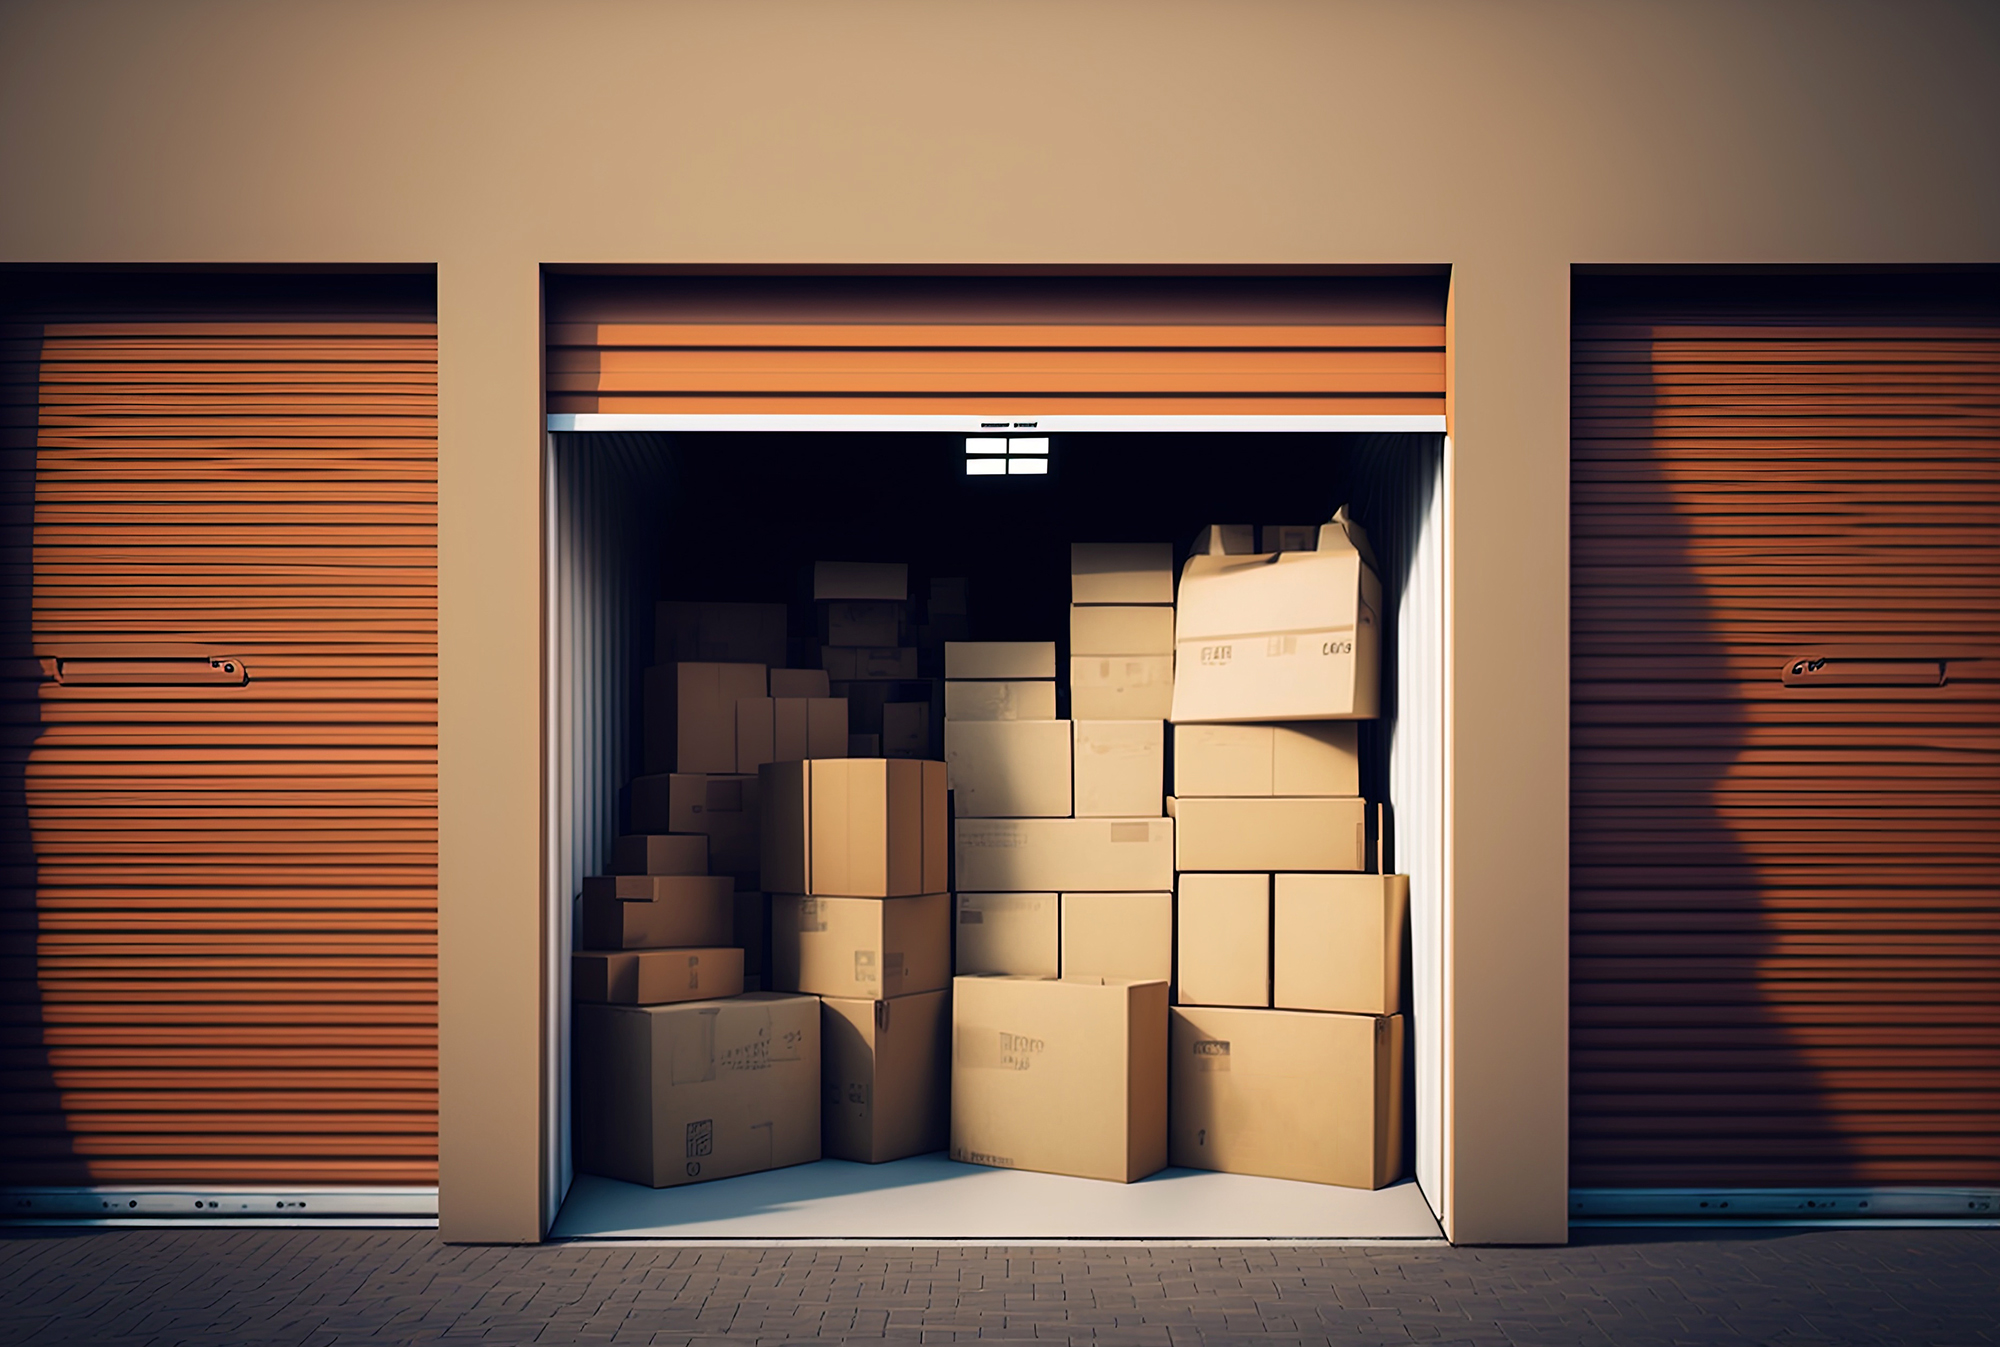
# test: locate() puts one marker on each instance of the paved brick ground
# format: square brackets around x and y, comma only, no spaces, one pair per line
[1633,1289]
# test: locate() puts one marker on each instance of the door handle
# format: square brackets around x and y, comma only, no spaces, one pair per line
[1865,669]
[193,671]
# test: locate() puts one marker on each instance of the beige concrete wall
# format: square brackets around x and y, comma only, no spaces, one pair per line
[1511,141]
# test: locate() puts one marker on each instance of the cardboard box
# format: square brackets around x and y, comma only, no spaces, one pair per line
[885,1067]
[861,623]
[1009,768]
[885,581]
[655,977]
[808,727]
[865,947]
[1121,687]
[799,683]
[1270,834]
[855,827]
[722,808]
[1222,936]
[655,912]
[670,1095]
[660,854]
[850,664]
[751,921]
[1120,630]
[1307,757]
[1118,935]
[1289,1095]
[906,730]
[1340,942]
[1000,659]
[718,633]
[1060,1076]
[1280,636]
[1014,933]
[1000,699]
[690,714]
[1225,540]
[1121,572]
[1097,855]
[1121,768]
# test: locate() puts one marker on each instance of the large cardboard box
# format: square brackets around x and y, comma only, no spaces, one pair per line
[1222,934]
[886,1069]
[855,827]
[1340,942]
[1014,933]
[655,977]
[1009,768]
[1121,572]
[1280,636]
[1032,855]
[1290,833]
[1062,1076]
[861,947]
[846,664]
[1118,935]
[1121,687]
[724,633]
[1307,757]
[670,1095]
[1289,1095]
[1121,768]
[722,808]
[887,582]
[1000,699]
[1000,659]
[1121,630]
[660,854]
[655,911]
[690,714]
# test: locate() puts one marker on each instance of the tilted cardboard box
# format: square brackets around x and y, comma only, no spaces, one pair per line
[1121,687]
[656,911]
[1121,572]
[1270,834]
[727,633]
[1000,699]
[654,977]
[1289,1094]
[1060,1076]
[1340,942]
[1306,757]
[1013,933]
[1121,630]
[721,807]
[886,1070]
[861,947]
[1118,935]
[660,854]
[1120,768]
[670,1095]
[1000,659]
[1009,768]
[1056,855]
[854,827]
[1222,930]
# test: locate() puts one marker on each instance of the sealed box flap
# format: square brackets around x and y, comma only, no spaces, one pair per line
[1269,594]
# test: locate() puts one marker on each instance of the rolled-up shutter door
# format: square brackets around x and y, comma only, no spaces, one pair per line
[1785,753]
[221,879]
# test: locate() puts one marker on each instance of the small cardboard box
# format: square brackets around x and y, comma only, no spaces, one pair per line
[850,622]
[1280,636]
[886,1070]
[1222,927]
[861,947]
[855,827]
[1120,630]
[906,730]
[1121,768]
[1057,855]
[1061,1076]
[1000,659]
[1013,933]
[725,633]
[1121,572]
[1289,1095]
[1340,942]
[1000,699]
[1009,768]
[722,808]
[660,854]
[808,727]
[886,582]
[670,1095]
[690,714]
[853,664]
[799,683]
[656,911]
[1270,834]
[1307,757]
[1121,687]
[1118,935]
[655,977]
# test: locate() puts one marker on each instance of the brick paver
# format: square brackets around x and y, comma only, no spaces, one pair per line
[1630,1288]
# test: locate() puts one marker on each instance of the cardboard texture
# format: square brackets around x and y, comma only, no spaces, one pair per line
[799,683]
[1060,1076]
[1000,699]
[1309,757]
[861,623]
[1118,935]
[671,1095]
[690,714]
[1225,540]
[751,922]
[1013,933]
[1121,687]
[887,582]
[1120,768]
[1340,942]
[653,977]
[862,947]
[721,808]
[1121,630]
[906,730]
[1288,833]
[1000,659]
[656,912]
[720,633]
[660,854]
[1098,855]
[855,827]
[1289,1095]
[1121,573]
[1279,636]
[885,1067]
[1009,768]
[850,664]
[1222,934]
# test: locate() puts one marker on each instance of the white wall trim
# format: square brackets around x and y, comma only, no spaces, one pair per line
[959,424]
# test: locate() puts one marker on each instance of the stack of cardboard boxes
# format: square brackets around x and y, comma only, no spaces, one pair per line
[865,630]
